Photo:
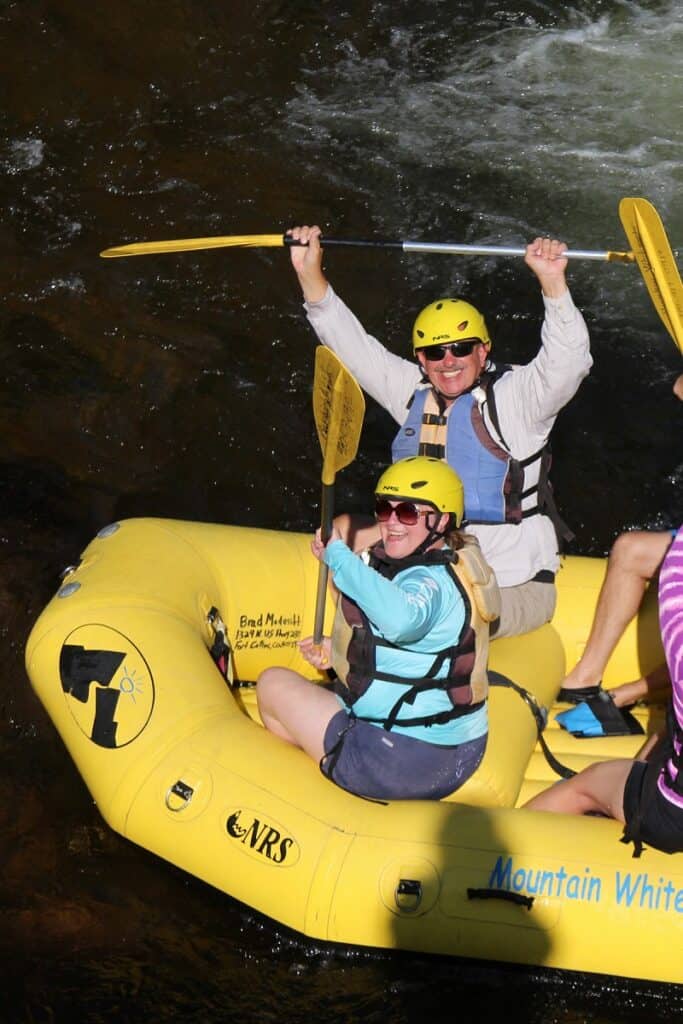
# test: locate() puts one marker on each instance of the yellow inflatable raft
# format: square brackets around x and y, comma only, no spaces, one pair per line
[178,762]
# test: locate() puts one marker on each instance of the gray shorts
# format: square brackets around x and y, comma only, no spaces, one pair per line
[372,762]
[524,608]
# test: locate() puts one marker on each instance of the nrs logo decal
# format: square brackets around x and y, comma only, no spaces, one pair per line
[264,840]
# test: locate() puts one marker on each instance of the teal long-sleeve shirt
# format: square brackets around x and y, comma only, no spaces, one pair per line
[420,609]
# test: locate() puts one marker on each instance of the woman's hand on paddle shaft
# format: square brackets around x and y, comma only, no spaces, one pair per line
[307,261]
[544,256]
[317,655]
[317,546]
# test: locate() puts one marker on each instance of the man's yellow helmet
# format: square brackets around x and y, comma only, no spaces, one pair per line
[449,320]
[425,480]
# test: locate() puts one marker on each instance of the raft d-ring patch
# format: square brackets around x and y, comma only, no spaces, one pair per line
[107,684]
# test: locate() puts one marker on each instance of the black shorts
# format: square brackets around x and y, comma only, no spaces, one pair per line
[385,765]
[661,825]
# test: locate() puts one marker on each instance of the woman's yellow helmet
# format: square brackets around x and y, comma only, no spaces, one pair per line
[449,320]
[426,480]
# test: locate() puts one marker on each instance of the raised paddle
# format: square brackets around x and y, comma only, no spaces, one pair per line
[650,250]
[338,410]
[278,241]
[654,257]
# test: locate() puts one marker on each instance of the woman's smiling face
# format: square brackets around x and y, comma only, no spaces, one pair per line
[400,540]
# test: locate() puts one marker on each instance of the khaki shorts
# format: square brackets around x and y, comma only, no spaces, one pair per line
[524,608]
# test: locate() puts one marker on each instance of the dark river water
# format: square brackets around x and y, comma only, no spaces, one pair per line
[180,386]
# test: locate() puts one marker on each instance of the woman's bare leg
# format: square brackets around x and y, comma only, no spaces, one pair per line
[597,788]
[295,709]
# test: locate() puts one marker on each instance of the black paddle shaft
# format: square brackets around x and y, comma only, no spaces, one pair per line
[357,242]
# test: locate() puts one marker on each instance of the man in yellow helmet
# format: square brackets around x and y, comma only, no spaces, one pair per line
[490,423]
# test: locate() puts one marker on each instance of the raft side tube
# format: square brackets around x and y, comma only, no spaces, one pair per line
[175,764]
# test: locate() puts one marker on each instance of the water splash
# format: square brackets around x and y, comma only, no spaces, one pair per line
[24,155]
[576,113]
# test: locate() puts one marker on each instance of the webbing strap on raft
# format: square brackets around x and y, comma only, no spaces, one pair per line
[541,718]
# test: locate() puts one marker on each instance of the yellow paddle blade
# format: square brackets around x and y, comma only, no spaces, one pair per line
[338,410]
[190,244]
[655,259]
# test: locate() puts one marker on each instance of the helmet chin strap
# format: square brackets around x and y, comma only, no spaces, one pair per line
[431,538]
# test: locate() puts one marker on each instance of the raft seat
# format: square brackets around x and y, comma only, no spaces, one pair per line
[513,732]
[514,767]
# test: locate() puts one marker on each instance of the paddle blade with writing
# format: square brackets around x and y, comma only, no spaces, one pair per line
[656,262]
[338,410]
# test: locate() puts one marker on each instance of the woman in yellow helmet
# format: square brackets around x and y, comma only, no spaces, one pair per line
[408,719]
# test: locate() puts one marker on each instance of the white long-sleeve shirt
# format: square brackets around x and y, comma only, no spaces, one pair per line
[528,400]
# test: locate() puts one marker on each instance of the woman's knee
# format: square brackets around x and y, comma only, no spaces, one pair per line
[268,685]
[267,678]
[264,682]
[601,786]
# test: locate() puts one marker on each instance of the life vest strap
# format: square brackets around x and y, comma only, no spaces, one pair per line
[432,451]
[438,718]
[546,505]
[532,458]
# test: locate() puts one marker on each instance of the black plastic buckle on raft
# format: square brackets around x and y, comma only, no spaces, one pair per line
[220,650]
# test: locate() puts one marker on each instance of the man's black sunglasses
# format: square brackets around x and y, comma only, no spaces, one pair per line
[458,348]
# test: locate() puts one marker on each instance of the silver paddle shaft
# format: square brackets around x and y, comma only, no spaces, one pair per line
[457,249]
[495,250]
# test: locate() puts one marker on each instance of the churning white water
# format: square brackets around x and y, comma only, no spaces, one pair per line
[565,120]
